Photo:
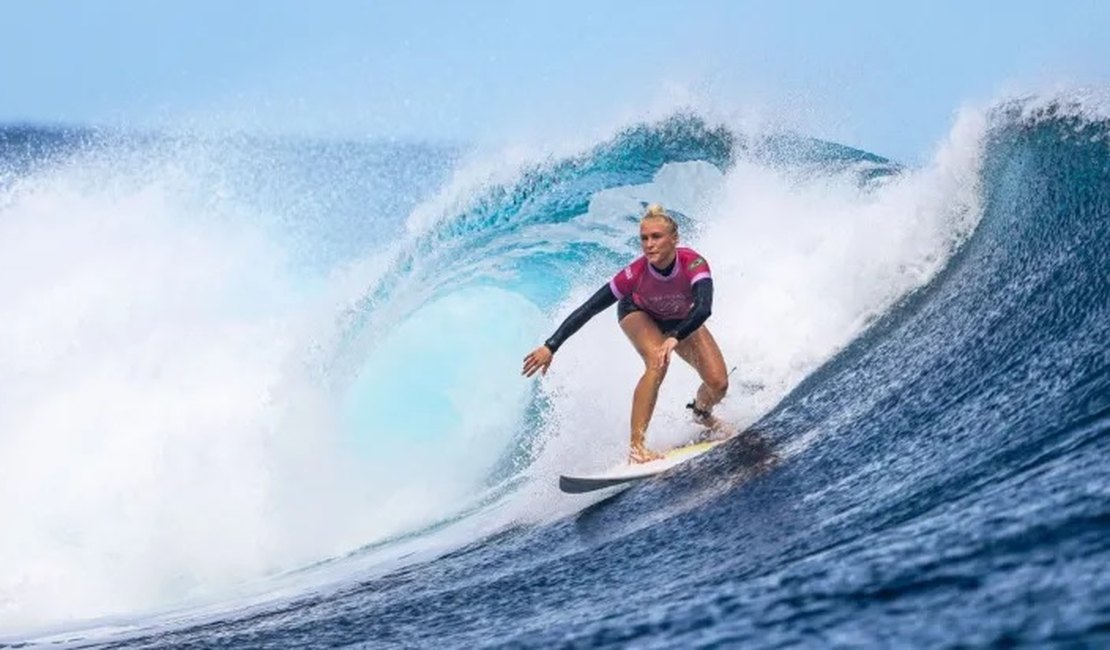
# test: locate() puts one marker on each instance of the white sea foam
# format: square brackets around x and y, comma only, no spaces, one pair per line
[166,428]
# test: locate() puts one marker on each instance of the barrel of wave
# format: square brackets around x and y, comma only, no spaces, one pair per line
[439,400]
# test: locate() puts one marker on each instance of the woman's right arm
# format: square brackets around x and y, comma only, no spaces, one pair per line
[602,299]
[540,358]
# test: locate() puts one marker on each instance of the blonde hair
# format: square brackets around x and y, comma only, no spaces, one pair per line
[656,211]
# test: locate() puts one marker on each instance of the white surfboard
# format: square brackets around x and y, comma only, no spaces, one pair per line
[628,472]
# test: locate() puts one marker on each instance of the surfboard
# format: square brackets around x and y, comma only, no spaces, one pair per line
[629,472]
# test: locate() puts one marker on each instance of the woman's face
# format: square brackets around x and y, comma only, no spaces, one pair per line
[658,242]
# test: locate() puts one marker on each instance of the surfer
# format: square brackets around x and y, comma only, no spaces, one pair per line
[664,298]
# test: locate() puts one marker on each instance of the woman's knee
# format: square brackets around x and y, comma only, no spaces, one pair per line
[652,373]
[718,384]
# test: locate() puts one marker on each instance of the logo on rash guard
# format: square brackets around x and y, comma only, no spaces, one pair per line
[628,272]
[696,263]
[674,305]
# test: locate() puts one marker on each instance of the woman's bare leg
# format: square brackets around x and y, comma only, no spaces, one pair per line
[646,338]
[701,351]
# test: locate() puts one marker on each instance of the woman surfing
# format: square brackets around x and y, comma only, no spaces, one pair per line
[664,298]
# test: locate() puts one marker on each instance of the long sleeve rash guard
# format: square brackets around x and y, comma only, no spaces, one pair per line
[604,297]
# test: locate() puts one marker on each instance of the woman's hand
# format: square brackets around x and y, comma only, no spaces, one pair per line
[663,354]
[538,359]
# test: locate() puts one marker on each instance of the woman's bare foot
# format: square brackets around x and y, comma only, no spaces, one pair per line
[641,454]
[717,429]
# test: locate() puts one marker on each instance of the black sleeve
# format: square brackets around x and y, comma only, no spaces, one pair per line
[597,303]
[703,306]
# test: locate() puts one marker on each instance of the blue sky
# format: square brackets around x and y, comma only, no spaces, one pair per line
[884,76]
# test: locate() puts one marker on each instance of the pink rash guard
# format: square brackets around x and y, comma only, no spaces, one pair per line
[667,297]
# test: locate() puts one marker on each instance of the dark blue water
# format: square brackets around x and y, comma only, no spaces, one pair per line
[944,480]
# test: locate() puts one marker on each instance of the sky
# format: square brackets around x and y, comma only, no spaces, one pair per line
[884,76]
